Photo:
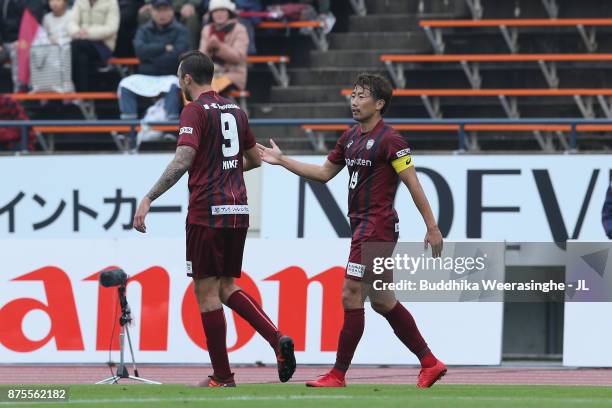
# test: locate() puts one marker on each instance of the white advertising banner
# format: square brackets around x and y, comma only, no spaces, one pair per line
[586,333]
[521,198]
[52,309]
[93,196]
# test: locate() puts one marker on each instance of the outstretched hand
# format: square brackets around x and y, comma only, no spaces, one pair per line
[141,213]
[271,155]
[434,238]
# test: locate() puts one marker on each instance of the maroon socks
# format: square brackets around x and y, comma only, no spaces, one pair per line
[406,330]
[215,330]
[251,311]
[350,335]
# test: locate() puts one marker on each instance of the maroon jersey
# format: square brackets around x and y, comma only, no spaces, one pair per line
[219,132]
[373,160]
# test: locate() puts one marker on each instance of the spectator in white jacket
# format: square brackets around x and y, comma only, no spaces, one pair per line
[93,27]
[56,22]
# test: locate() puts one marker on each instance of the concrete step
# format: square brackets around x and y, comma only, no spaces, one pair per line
[307,94]
[390,22]
[342,77]
[350,58]
[417,6]
[397,109]
[300,110]
[415,40]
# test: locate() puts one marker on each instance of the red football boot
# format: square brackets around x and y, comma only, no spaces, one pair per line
[214,381]
[429,376]
[327,380]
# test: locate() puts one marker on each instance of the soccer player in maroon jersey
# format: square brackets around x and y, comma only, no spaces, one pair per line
[215,146]
[375,156]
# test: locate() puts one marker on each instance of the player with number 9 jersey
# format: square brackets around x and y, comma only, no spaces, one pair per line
[219,131]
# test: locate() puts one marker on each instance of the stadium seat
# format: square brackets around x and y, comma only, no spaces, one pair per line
[84,100]
[509,29]
[477,9]
[314,28]
[276,63]
[315,132]
[507,98]
[469,63]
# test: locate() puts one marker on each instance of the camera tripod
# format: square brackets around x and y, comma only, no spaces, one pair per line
[124,320]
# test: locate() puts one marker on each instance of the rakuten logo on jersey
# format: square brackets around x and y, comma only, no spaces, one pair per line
[185,129]
[358,162]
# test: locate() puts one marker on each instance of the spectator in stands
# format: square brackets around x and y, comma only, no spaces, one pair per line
[10,17]
[55,22]
[158,45]
[248,22]
[225,41]
[10,138]
[305,10]
[128,11]
[187,10]
[606,213]
[93,26]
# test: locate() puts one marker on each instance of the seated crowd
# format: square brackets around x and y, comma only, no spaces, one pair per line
[88,33]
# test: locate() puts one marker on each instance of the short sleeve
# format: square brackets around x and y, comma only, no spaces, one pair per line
[190,127]
[397,153]
[336,156]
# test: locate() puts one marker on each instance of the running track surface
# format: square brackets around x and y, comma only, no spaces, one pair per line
[191,374]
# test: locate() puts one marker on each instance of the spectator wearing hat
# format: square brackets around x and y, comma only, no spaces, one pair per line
[185,10]
[158,44]
[93,27]
[225,40]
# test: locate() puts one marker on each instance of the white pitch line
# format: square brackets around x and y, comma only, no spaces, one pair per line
[422,397]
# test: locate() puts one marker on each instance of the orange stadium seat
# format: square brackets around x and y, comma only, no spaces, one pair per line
[503,95]
[314,28]
[394,63]
[276,63]
[508,28]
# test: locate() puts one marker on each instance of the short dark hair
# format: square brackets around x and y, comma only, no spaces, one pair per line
[379,87]
[198,65]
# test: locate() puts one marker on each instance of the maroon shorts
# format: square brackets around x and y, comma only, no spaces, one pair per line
[383,231]
[214,251]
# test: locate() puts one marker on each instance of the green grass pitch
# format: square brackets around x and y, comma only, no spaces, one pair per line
[354,396]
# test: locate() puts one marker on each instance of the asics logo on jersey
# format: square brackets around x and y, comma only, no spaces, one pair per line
[403,152]
[185,129]
[358,162]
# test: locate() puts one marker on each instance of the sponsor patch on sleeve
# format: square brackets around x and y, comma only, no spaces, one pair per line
[402,163]
[403,152]
[185,129]
[355,269]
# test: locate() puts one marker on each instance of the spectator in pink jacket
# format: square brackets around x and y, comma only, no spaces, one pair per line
[226,42]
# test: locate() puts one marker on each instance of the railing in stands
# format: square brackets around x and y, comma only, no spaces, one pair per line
[572,125]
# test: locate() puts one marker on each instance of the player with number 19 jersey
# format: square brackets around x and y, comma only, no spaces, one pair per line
[374,160]
[218,130]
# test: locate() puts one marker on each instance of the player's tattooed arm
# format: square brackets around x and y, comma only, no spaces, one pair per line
[178,166]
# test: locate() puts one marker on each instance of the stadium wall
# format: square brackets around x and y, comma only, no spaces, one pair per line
[65,218]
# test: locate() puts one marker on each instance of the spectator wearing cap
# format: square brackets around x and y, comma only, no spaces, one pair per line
[93,27]
[225,41]
[158,44]
[187,12]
